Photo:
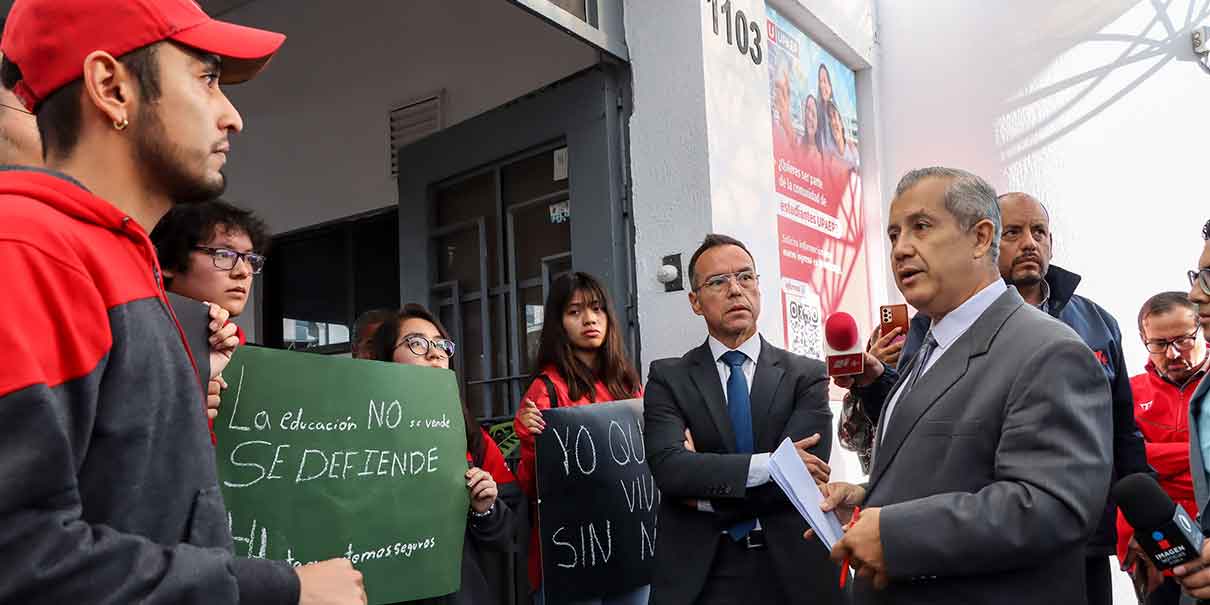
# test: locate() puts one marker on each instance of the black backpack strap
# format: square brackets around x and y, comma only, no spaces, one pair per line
[550,390]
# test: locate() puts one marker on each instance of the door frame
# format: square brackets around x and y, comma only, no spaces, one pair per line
[586,111]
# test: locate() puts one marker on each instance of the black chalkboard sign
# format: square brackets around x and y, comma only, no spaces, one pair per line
[597,501]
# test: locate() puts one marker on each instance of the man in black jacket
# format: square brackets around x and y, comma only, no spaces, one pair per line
[1025,255]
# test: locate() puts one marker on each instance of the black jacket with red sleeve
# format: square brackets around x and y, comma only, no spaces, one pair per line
[110,490]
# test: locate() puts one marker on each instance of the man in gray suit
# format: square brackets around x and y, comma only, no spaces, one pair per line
[1195,578]
[727,533]
[993,459]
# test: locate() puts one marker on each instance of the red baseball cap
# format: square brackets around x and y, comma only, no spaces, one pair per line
[49,39]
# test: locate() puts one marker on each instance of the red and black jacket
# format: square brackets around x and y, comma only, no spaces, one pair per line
[110,490]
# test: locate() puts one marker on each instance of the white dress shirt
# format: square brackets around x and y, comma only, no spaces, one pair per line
[946,332]
[758,464]
[758,467]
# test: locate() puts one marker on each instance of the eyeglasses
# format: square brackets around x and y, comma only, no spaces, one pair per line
[225,258]
[717,283]
[419,345]
[1201,278]
[1182,343]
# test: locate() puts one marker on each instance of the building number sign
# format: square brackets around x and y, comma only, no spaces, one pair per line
[744,35]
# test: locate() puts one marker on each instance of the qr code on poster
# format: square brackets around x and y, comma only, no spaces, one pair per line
[804,327]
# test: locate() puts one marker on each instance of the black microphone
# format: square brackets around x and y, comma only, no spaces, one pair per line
[1161,527]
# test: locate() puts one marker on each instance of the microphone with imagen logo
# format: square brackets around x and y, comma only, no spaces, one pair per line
[844,354]
[1163,529]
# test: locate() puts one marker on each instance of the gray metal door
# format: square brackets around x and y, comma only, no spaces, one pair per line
[499,236]
[494,208]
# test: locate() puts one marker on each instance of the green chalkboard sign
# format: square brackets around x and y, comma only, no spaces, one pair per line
[323,457]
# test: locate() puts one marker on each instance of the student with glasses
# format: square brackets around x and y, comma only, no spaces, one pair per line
[1176,366]
[209,251]
[416,337]
[581,360]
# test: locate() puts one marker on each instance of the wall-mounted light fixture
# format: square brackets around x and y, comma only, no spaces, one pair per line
[1201,45]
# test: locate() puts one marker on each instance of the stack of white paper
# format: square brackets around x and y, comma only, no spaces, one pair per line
[791,475]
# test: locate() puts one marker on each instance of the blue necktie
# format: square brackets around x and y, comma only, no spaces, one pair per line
[739,407]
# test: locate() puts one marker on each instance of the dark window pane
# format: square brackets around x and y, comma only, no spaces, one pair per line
[321,279]
[315,277]
[471,349]
[529,178]
[467,201]
[458,259]
[559,267]
[376,263]
[312,311]
[542,230]
[500,347]
[530,327]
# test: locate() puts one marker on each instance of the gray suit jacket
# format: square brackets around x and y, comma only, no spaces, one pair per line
[993,470]
[1197,466]
[789,399]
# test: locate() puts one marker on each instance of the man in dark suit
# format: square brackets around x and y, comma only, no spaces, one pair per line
[993,455]
[712,418]
[1195,577]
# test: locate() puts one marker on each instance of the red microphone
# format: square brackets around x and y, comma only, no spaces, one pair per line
[845,356]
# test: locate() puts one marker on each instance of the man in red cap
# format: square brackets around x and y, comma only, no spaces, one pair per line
[110,490]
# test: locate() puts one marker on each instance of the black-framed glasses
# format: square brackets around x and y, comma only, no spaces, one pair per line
[225,258]
[717,283]
[419,345]
[1182,343]
[1201,278]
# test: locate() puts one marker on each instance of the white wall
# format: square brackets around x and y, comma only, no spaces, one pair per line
[1097,107]
[669,164]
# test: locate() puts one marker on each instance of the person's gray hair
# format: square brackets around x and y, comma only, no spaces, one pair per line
[969,198]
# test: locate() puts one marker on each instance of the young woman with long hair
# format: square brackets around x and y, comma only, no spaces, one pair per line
[824,135]
[581,360]
[415,336]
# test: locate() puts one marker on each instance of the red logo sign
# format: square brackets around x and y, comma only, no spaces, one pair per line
[845,365]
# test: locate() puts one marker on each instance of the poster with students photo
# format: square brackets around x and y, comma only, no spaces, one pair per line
[821,212]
